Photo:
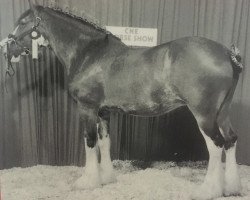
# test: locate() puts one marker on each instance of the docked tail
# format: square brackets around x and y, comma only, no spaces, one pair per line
[236,59]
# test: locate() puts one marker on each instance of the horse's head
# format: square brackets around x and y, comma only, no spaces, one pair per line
[20,41]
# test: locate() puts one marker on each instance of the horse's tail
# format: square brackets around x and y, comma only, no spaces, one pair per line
[237,69]
[223,112]
[236,59]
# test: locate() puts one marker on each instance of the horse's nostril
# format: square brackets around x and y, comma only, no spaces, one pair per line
[10,35]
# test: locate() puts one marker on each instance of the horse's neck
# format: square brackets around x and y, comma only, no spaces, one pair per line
[67,40]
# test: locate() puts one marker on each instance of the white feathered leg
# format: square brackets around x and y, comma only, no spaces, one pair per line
[91,177]
[106,166]
[232,179]
[212,186]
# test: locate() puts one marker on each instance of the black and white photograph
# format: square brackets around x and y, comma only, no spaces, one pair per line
[124,99]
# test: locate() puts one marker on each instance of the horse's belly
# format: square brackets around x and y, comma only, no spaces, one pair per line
[143,100]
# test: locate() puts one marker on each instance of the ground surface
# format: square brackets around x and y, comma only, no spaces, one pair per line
[159,181]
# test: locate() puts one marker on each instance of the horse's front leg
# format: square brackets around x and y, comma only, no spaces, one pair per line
[106,166]
[91,176]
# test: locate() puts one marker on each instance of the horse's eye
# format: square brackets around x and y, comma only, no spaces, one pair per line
[11,36]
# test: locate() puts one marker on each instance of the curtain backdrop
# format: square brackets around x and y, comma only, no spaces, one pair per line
[39,122]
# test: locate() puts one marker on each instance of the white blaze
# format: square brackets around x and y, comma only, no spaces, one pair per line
[15,31]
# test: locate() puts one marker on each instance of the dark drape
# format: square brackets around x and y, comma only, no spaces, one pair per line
[39,122]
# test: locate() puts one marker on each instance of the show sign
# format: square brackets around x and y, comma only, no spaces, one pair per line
[134,36]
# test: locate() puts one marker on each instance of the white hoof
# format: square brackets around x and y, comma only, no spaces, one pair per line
[232,184]
[207,192]
[232,187]
[108,177]
[86,182]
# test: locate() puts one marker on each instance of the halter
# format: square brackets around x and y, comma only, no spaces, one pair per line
[28,32]
[12,38]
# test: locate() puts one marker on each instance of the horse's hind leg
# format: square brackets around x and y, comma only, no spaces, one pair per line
[232,179]
[232,184]
[212,186]
[106,166]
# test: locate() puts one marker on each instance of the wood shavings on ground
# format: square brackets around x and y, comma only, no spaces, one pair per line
[135,181]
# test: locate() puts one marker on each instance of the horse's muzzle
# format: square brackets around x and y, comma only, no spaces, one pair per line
[3,44]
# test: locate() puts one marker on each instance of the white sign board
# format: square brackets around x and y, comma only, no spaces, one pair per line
[134,36]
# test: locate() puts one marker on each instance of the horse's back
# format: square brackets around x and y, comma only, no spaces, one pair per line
[195,50]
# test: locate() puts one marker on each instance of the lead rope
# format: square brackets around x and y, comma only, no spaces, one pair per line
[9,69]
[35,43]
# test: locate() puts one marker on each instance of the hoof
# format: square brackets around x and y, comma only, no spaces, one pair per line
[86,182]
[108,177]
[233,189]
[207,192]
[232,185]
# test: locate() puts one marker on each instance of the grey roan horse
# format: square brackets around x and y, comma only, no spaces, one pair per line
[105,75]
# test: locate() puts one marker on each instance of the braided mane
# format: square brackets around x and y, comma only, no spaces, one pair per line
[83,20]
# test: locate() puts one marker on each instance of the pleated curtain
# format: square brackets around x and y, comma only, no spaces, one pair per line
[39,121]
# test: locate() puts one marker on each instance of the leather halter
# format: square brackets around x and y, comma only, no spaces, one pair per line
[10,70]
[28,32]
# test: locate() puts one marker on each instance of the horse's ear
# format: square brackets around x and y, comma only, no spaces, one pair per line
[32,7]
[33,4]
